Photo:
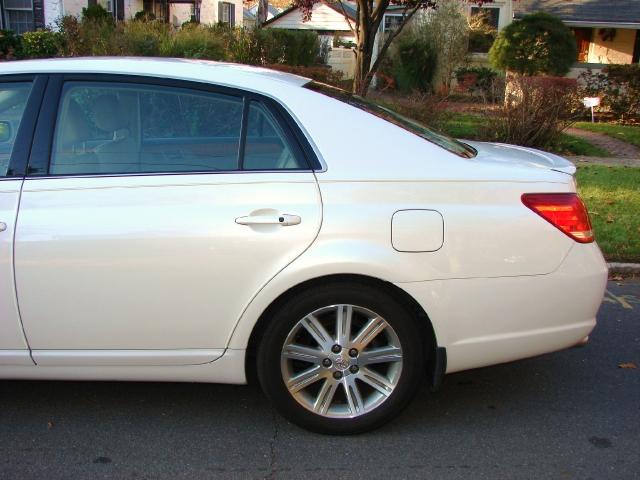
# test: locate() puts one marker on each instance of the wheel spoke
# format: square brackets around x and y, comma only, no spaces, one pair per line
[344,313]
[302,353]
[375,380]
[317,331]
[380,355]
[325,396]
[304,379]
[369,332]
[354,398]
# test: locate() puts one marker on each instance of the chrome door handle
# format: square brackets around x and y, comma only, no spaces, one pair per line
[284,220]
[3,226]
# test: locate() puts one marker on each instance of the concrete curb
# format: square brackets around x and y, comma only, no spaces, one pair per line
[624,268]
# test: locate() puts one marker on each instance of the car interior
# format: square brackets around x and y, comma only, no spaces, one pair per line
[120,130]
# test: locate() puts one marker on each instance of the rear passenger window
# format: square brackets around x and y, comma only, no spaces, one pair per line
[13,100]
[105,128]
[266,146]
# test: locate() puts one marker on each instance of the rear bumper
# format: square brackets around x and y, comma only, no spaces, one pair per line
[486,321]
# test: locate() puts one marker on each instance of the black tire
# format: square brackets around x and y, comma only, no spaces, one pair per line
[375,299]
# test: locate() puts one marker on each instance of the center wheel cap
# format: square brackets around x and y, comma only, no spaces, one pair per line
[341,363]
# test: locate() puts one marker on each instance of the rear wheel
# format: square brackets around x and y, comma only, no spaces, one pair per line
[343,358]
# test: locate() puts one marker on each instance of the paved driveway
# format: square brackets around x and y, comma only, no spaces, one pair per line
[572,414]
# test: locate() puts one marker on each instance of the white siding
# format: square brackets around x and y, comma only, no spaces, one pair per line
[322,18]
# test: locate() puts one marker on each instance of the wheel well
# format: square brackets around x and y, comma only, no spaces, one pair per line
[403,297]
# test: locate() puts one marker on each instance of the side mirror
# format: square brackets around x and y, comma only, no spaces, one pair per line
[5,131]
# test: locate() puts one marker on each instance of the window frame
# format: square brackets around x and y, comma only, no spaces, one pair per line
[22,144]
[5,20]
[41,153]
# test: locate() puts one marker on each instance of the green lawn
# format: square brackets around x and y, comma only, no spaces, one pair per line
[628,133]
[612,195]
[570,145]
[463,125]
[469,126]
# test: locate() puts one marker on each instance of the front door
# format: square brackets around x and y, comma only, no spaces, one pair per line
[163,211]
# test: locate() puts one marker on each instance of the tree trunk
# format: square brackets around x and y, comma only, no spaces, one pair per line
[365,43]
[263,9]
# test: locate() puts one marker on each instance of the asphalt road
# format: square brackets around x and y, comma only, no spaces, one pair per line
[573,414]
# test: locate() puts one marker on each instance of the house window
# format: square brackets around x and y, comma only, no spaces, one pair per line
[19,15]
[392,22]
[226,13]
[107,5]
[483,28]
[491,15]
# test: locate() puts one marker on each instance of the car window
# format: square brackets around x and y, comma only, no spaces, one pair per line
[13,100]
[112,128]
[266,146]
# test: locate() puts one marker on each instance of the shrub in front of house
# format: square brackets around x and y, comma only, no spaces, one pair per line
[537,44]
[40,44]
[264,46]
[480,81]
[143,39]
[413,63]
[536,111]
[9,45]
[196,41]
[618,86]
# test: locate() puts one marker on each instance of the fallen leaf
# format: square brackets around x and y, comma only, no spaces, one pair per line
[49,424]
[627,365]
[609,218]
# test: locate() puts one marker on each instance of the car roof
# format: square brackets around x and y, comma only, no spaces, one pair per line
[230,74]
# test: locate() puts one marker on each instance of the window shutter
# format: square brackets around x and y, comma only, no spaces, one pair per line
[220,10]
[119,9]
[38,14]
[232,15]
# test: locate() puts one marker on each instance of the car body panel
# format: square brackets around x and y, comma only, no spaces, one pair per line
[152,262]
[13,345]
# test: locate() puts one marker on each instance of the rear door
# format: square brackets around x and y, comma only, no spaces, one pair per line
[19,102]
[154,211]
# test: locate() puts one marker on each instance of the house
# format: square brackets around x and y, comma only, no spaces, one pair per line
[26,15]
[333,22]
[606,31]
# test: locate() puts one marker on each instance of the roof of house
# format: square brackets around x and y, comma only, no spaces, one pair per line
[583,11]
[350,8]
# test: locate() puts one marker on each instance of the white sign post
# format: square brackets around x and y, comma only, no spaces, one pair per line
[591,102]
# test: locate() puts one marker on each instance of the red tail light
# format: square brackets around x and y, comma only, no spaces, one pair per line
[565,211]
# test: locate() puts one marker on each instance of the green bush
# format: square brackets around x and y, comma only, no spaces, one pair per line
[40,44]
[414,63]
[619,88]
[144,39]
[96,14]
[481,81]
[262,46]
[538,44]
[195,41]
[143,16]
[9,45]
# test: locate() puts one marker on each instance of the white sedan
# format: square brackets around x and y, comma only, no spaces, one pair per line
[175,220]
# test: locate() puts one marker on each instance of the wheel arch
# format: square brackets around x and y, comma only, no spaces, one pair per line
[432,360]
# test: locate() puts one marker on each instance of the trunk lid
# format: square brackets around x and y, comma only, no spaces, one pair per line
[501,153]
